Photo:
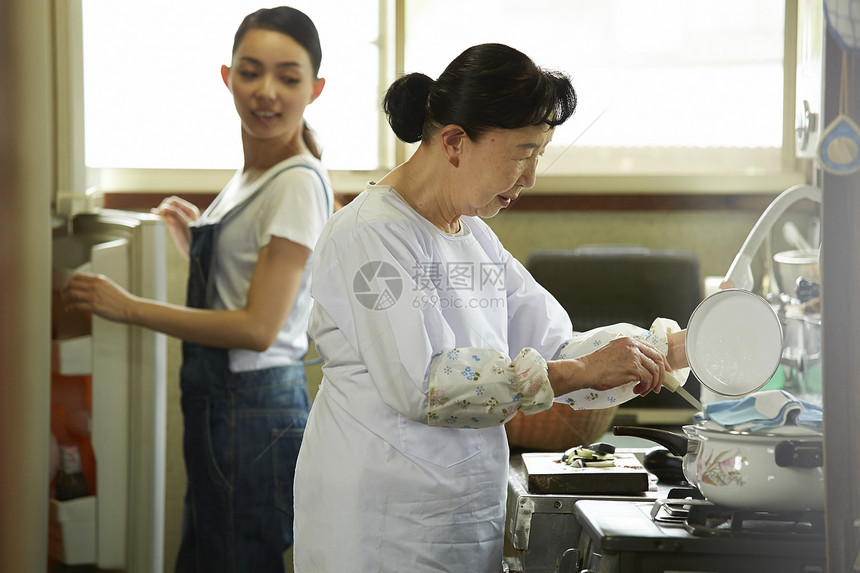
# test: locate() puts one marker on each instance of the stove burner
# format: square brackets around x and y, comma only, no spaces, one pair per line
[674,508]
[686,508]
[703,520]
[684,492]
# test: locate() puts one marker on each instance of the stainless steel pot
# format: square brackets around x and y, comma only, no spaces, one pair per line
[792,265]
[801,353]
[741,470]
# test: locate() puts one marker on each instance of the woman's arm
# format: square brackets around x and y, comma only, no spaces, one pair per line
[272,291]
[677,354]
[477,387]
[610,365]
[622,360]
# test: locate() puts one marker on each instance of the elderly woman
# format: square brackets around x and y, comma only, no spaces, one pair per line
[434,336]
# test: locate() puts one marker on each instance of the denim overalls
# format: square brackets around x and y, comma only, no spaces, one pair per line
[242,435]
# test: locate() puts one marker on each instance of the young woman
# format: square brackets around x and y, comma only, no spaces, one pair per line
[244,395]
[418,311]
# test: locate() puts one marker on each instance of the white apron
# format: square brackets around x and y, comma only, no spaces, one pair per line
[390,478]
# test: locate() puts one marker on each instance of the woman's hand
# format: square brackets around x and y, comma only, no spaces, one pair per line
[626,360]
[622,360]
[179,214]
[98,295]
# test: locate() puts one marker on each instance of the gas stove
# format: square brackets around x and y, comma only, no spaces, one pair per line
[682,533]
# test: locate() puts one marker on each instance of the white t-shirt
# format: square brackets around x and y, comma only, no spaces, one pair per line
[295,205]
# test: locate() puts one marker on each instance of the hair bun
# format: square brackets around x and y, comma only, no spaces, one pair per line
[405,104]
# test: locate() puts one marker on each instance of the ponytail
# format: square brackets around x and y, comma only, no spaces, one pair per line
[310,138]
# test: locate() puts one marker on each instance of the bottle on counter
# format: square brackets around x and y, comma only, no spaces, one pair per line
[70,482]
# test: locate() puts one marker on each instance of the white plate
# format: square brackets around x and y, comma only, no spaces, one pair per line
[734,342]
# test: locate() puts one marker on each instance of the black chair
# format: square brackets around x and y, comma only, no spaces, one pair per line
[606,284]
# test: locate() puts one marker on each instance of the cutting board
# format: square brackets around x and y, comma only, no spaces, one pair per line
[546,473]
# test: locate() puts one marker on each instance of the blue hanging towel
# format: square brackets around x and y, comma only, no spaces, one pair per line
[762,411]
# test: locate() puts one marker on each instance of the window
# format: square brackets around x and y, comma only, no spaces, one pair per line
[667,88]
[154,97]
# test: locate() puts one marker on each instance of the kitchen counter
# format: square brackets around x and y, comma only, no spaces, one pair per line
[540,528]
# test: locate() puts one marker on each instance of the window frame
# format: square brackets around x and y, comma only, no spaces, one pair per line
[72,176]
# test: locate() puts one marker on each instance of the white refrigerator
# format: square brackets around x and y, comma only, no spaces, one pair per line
[121,527]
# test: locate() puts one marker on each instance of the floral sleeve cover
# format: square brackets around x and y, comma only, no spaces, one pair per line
[480,387]
[586,342]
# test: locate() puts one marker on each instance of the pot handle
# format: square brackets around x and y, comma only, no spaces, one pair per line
[795,454]
[673,442]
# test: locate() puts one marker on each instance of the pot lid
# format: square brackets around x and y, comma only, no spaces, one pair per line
[734,342]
